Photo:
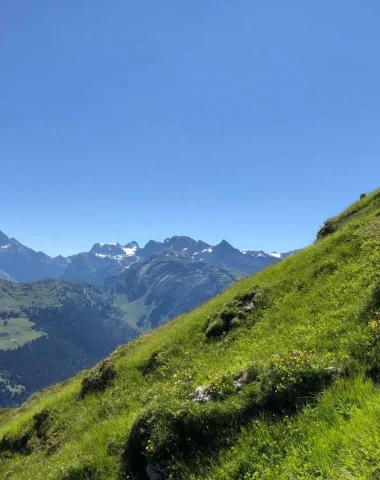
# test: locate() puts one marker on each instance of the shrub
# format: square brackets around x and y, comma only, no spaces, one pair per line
[159,359]
[236,322]
[17,444]
[164,438]
[235,313]
[98,378]
[362,195]
[216,329]
[244,298]
[327,228]
[228,313]
[222,322]
[151,364]
[41,424]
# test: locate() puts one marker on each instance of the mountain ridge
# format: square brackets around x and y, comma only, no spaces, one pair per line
[23,264]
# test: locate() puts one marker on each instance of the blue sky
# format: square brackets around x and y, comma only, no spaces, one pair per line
[244,120]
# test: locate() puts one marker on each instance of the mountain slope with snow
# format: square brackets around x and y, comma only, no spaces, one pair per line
[103,260]
[24,264]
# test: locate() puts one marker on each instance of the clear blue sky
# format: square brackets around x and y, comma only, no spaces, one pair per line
[246,120]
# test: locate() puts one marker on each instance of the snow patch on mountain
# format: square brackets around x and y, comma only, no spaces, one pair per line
[130,251]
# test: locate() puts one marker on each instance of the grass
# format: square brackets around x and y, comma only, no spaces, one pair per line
[135,310]
[15,332]
[305,359]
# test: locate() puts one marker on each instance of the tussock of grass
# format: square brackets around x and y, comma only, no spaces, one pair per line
[290,367]
[98,378]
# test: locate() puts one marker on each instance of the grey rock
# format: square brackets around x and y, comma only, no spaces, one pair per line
[201,395]
[241,380]
[249,307]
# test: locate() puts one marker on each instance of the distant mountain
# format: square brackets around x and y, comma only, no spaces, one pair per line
[224,255]
[24,264]
[166,285]
[115,250]
[104,260]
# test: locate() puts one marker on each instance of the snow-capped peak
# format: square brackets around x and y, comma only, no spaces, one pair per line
[129,251]
[114,250]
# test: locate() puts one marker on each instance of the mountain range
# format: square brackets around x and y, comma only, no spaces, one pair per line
[22,264]
[60,315]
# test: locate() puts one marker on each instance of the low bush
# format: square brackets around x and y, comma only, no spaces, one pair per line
[235,313]
[327,228]
[151,364]
[98,378]
[18,444]
[41,424]
[216,328]
[161,438]
[159,359]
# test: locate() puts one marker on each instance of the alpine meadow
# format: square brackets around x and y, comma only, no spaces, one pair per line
[276,378]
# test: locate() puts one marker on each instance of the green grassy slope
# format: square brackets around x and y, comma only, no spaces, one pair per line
[288,361]
[50,329]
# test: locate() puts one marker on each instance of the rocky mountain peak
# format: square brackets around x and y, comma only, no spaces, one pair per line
[132,244]
[225,248]
[4,239]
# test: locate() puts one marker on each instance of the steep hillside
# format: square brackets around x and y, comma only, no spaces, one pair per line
[274,379]
[50,330]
